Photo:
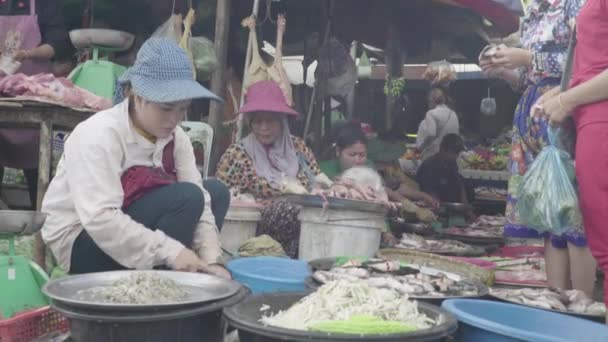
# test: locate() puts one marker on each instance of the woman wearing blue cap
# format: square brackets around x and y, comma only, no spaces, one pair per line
[127,193]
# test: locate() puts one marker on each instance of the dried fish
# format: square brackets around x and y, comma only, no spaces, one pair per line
[573,301]
[418,285]
[138,288]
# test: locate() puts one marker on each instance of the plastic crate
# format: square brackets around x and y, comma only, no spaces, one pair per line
[30,325]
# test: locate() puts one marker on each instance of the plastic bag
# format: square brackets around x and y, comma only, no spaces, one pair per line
[548,201]
[170,29]
[205,58]
[488,105]
[440,73]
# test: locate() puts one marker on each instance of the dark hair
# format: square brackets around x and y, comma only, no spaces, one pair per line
[452,143]
[346,134]
[439,96]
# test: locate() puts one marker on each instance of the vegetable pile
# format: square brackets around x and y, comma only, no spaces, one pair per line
[352,301]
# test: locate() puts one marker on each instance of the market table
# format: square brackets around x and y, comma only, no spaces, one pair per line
[27,114]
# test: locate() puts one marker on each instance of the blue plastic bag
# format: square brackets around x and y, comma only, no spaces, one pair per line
[547,197]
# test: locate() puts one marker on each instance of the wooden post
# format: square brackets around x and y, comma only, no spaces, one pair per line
[44,176]
[218,82]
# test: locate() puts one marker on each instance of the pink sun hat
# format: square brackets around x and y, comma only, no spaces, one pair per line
[266,96]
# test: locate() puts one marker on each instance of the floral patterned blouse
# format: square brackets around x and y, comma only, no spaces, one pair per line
[546,32]
[236,170]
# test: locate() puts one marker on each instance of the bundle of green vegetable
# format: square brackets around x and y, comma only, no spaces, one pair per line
[352,308]
[547,198]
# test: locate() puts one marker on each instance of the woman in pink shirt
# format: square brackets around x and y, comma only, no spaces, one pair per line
[587,101]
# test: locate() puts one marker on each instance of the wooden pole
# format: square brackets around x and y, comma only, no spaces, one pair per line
[44,176]
[218,82]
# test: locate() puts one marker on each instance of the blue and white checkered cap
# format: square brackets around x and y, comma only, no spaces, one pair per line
[162,73]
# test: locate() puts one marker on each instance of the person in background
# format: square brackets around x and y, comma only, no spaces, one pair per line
[43,38]
[439,121]
[270,162]
[352,147]
[127,193]
[269,158]
[439,174]
[587,102]
[535,68]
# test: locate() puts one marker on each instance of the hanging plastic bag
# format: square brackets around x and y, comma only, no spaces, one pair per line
[205,58]
[170,29]
[548,201]
[488,105]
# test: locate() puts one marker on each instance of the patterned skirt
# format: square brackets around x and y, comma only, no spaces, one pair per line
[529,138]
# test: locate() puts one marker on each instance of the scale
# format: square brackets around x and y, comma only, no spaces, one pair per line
[21,279]
[98,75]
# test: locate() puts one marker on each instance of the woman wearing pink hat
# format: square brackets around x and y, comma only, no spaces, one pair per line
[269,158]
[269,162]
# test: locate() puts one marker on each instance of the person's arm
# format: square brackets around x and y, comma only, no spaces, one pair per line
[93,158]
[427,131]
[185,164]
[55,37]
[594,90]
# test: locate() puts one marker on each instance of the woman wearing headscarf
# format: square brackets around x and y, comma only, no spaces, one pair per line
[535,68]
[127,193]
[269,159]
[269,162]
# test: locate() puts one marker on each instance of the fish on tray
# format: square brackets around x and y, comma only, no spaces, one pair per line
[416,242]
[417,284]
[572,301]
[489,232]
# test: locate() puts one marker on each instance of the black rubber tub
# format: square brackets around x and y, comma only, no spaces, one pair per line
[245,317]
[195,323]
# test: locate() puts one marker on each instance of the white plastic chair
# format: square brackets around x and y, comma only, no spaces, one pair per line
[200,132]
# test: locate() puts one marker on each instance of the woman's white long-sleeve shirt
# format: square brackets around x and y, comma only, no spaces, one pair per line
[439,122]
[86,193]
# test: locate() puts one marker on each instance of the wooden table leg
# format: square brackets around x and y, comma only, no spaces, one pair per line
[44,175]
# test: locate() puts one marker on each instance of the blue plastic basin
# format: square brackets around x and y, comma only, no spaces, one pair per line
[270,274]
[488,321]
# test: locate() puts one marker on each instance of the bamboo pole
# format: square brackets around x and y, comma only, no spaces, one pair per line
[218,82]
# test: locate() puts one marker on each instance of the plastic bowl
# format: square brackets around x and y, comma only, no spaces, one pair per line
[270,274]
[488,321]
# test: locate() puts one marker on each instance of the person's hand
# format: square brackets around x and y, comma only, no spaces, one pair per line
[557,109]
[512,58]
[22,55]
[431,201]
[188,261]
[537,109]
[218,270]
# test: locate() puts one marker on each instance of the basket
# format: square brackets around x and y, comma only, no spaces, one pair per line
[28,326]
[431,260]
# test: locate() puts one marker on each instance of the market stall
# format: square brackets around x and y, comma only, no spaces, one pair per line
[23,113]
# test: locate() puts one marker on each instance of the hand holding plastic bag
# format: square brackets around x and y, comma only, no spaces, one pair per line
[548,201]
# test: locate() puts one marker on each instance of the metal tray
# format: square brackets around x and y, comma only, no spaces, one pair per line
[335,203]
[202,288]
[21,222]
